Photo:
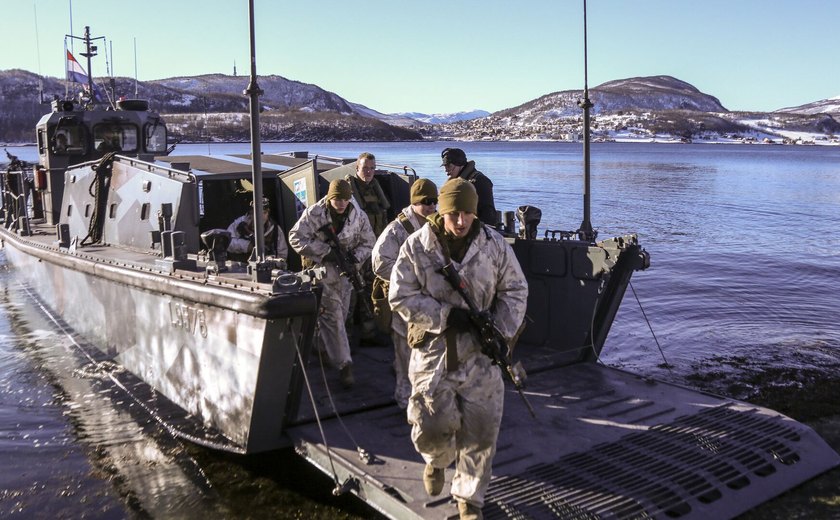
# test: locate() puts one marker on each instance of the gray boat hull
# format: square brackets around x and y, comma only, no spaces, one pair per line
[217,353]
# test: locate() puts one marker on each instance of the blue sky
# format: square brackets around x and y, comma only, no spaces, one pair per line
[452,55]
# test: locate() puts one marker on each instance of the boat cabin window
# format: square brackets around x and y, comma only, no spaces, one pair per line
[115,138]
[155,132]
[68,140]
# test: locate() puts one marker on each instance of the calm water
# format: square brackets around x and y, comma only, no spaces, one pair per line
[745,264]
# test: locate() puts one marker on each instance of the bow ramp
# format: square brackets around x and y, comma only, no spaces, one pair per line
[605,444]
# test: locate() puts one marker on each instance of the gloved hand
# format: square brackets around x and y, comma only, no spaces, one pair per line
[459,319]
[244,231]
[330,257]
[351,258]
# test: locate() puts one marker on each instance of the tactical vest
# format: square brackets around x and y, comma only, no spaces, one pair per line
[379,294]
[372,200]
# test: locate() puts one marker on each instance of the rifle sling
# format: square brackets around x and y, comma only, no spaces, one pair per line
[450,334]
[451,349]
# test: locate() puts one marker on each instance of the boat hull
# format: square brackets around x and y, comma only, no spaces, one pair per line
[225,358]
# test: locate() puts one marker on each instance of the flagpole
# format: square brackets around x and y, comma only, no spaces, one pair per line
[66,70]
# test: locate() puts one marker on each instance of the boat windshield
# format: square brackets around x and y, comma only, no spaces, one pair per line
[155,136]
[115,138]
[69,140]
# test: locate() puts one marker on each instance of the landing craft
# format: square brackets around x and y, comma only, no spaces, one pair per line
[124,244]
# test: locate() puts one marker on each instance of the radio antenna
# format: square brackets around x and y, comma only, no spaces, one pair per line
[260,269]
[586,232]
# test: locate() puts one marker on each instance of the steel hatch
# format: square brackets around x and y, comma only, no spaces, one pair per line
[606,444]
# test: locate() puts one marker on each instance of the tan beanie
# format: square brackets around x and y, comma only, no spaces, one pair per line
[423,189]
[457,195]
[339,189]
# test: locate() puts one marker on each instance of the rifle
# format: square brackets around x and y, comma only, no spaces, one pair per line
[348,269]
[492,340]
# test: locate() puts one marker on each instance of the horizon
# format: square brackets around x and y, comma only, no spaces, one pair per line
[465,56]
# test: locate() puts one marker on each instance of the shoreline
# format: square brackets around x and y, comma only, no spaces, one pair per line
[619,140]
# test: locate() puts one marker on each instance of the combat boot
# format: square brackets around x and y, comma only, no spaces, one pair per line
[433,480]
[467,511]
[345,375]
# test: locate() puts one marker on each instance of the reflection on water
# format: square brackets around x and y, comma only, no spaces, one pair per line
[69,443]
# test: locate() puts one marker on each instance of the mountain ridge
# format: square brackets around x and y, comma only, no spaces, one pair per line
[210,107]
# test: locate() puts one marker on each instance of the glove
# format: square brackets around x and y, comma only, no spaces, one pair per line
[330,257]
[351,258]
[459,319]
[243,230]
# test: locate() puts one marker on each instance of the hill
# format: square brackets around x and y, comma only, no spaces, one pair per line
[642,108]
[212,107]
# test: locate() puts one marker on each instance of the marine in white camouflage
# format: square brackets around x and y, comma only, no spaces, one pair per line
[242,231]
[357,239]
[423,198]
[456,406]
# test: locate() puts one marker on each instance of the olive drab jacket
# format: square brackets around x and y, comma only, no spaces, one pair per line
[370,198]
[355,237]
[387,248]
[423,297]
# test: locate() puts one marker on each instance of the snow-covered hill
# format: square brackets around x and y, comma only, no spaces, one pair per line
[825,106]
[436,119]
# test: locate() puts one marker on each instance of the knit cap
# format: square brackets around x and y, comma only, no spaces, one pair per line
[339,189]
[423,189]
[457,195]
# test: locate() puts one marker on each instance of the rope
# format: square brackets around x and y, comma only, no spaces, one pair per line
[101,367]
[99,184]
[363,454]
[315,410]
[667,365]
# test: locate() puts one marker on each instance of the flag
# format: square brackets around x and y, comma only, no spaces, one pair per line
[77,74]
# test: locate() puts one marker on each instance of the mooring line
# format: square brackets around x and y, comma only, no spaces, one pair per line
[644,314]
[363,454]
[317,416]
[167,427]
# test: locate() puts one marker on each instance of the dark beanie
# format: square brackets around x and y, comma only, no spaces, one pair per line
[339,189]
[454,156]
[457,195]
[423,189]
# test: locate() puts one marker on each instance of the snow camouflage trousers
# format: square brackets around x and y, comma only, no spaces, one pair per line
[459,422]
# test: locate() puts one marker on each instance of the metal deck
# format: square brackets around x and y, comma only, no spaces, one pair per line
[606,444]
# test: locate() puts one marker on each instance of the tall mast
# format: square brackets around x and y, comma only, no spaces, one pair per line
[586,232]
[135,66]
[90,52]
[260,271]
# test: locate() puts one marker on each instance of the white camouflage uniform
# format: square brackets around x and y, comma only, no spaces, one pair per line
[242,245]
[355,237]
[385,253]
[455,416]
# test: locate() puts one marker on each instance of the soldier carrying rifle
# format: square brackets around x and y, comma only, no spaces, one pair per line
[457,398]
[309,238]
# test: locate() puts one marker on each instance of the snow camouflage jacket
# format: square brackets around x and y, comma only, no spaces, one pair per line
[387,248]
[355,237]
[423,297]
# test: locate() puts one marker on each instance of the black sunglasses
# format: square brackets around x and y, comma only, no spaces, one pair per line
[428,201]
